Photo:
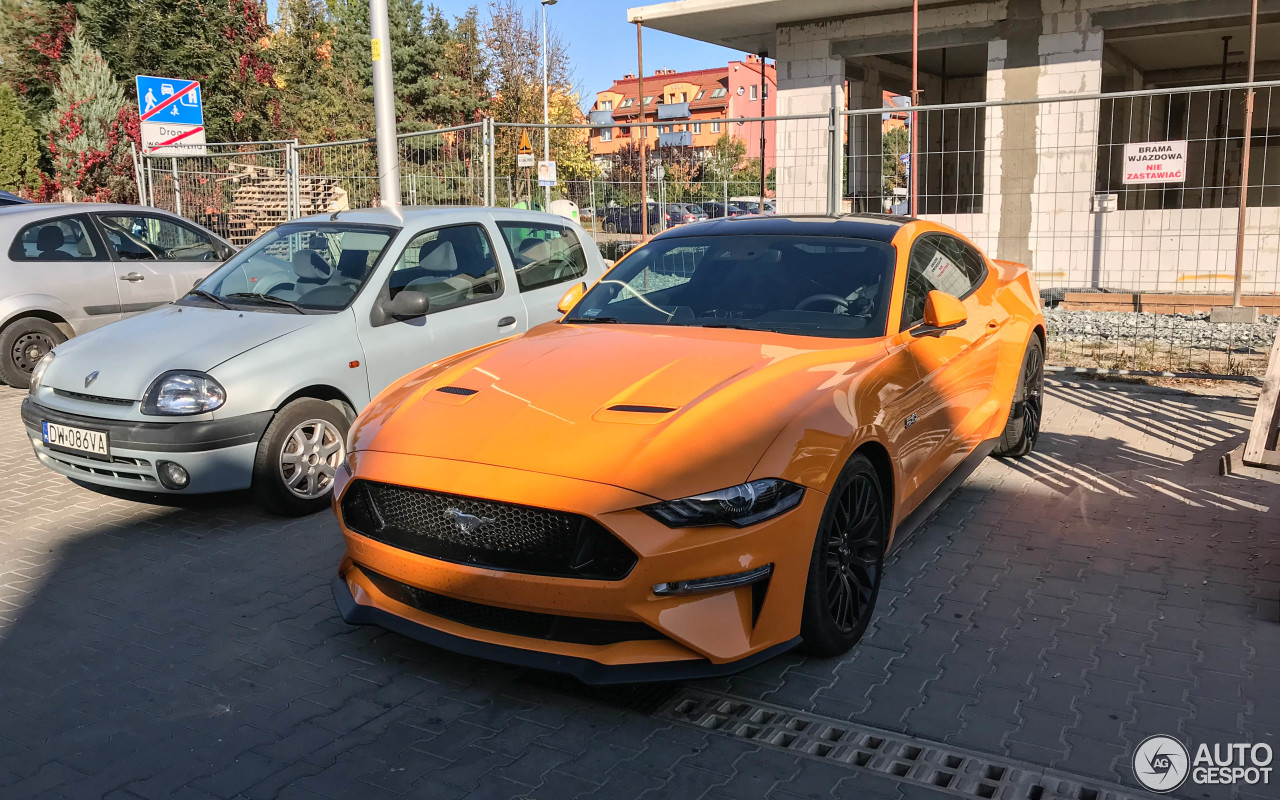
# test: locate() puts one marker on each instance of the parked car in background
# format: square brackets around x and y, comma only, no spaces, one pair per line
[252,378]
[705,462]
[718,210]
[695,211]
[69,268]
[11,199]
[753,206]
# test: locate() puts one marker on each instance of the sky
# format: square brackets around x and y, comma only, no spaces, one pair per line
[602,44]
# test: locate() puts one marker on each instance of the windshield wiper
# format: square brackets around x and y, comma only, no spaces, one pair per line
[593,319]
[210,296]
[266,298]
[728,325]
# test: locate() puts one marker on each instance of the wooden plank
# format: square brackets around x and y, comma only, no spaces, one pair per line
[1260,449]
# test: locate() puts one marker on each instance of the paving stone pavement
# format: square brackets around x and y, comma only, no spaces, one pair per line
[1056,610]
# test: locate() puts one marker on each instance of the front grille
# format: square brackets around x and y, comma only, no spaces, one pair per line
[485,533]
[552,627]
[93,398]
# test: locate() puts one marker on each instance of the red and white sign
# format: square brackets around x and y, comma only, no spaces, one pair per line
[1155,162]
[166,139]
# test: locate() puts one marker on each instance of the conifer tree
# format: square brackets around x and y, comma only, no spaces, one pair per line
[19,146]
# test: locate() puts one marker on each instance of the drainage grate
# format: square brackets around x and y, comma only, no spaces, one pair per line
[935,766]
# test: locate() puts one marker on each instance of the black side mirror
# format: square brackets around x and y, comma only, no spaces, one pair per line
[406,304]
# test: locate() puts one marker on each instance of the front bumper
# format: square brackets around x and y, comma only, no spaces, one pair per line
[703,633]
[218,454]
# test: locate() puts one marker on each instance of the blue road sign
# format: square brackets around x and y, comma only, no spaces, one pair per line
[170,100]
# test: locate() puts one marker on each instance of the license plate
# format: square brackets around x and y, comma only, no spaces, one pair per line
[80,440]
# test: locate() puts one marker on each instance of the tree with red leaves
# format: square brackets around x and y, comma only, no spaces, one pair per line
[88,129]
[33,40]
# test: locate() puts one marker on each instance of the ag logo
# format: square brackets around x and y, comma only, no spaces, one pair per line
[90,378]
[1160,763]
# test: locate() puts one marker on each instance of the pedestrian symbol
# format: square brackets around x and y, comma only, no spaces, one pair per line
[149,102]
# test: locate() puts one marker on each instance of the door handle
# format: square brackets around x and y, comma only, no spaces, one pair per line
[133,277]
[506,321]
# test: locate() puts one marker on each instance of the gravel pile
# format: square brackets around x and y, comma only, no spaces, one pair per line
[1188,330]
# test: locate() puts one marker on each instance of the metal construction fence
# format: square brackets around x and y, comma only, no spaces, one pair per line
[1129,268]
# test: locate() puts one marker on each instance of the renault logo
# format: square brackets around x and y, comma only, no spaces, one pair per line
[466,523]
[90,378]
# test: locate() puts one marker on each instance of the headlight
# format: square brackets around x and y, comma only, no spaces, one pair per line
[38,373]
[181,393]
[739,506]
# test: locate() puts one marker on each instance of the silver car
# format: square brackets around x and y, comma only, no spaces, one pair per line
[69,268]
[253,378]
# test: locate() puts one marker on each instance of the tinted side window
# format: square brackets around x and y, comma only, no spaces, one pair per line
[544,253]
[937,263]
[966,258]
[451,266]
[138,237]
[54,240]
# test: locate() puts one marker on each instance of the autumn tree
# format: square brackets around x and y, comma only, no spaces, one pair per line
[88,127]
[33,39]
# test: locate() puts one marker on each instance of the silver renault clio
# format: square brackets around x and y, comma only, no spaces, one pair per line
[252,379]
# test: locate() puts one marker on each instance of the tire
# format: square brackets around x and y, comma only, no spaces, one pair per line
[1023,428]
[22,344]
[847,562]
[298,457]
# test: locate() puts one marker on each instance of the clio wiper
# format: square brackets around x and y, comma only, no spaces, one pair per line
[210,296]
[266,298]
[593,319]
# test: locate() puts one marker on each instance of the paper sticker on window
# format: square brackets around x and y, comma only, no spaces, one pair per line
[943,275]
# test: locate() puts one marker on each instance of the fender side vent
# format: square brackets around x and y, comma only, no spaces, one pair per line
[457,390]
[641,409]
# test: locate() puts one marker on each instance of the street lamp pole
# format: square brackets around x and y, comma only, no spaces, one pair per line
[546,102]
[384,106]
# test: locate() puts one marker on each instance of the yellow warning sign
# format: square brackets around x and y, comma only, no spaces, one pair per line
[376,48]
[526,149]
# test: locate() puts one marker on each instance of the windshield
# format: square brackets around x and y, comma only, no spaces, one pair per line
[297,268]
[806,285]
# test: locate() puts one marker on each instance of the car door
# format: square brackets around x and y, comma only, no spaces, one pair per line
[952,369]
[156,259]
[64,258]
[546,257]
[472,300]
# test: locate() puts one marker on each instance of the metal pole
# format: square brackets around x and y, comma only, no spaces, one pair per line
[1244,158]
[643,131]
[177,193]
[546,104]
[762,116]
[915,100]
[138,177]
[384,105]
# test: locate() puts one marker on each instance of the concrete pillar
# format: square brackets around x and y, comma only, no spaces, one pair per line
[864,148]
[810,81]
[1041,164]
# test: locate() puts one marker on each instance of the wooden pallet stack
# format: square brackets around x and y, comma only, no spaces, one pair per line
[261,200]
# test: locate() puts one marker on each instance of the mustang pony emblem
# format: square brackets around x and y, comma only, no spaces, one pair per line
[90,378]
[467,523]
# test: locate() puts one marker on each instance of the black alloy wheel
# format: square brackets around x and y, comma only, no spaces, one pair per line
[1022,431]
[848,561]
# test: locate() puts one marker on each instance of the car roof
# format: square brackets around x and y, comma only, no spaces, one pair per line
[877,227]
[403,216]
[37,210]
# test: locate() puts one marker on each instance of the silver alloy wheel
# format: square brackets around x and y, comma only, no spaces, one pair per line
[310,458]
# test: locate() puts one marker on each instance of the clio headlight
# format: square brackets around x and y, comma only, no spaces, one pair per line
[739,506]
[181,393]
[37,374]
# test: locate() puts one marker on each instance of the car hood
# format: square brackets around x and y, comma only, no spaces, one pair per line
[129,354]
[662,411]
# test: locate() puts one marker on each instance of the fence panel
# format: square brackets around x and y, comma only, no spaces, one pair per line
[238,190]
[1130,263]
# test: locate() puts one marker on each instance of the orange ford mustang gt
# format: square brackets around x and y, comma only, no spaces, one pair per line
[704,461]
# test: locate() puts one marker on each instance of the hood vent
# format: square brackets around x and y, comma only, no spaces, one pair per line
[458,390]
[641,409]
